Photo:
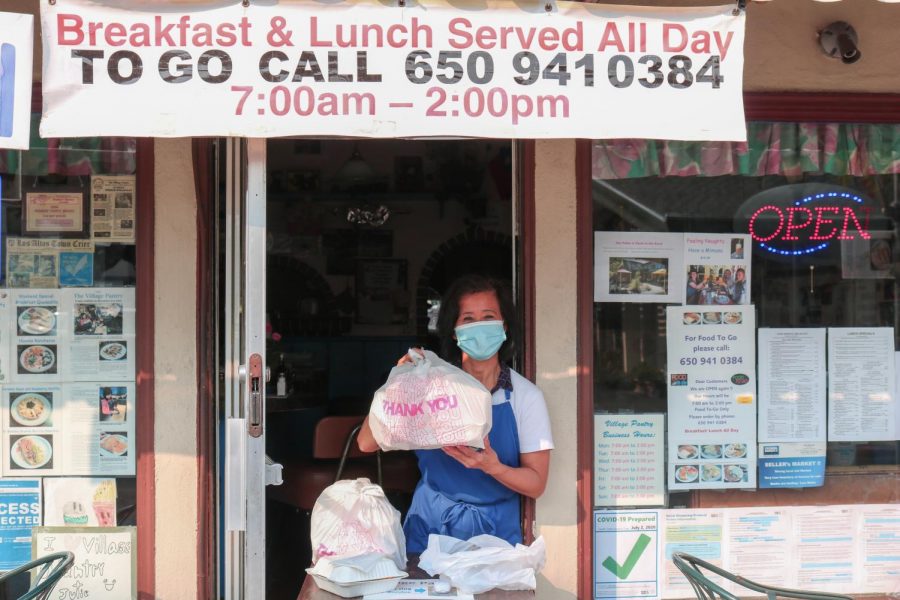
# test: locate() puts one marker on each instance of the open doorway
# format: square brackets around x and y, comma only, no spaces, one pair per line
[362,239]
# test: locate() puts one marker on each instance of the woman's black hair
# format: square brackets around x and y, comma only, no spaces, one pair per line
[449,313]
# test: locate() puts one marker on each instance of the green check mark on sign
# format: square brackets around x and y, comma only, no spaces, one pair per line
[624,570]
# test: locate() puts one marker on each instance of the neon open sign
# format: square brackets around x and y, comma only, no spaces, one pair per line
[809,224]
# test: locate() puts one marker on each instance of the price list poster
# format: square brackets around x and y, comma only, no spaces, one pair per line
[792,400]
[861,397]
[711,397]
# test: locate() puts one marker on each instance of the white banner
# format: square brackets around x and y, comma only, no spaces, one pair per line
[16,44]
[498,69]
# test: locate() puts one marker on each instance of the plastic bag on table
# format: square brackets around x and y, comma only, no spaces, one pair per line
[483,562]
[352,517]
[428,403]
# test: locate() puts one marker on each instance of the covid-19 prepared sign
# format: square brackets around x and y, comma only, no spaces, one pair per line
[498,69]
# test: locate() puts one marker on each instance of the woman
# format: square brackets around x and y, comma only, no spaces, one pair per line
[463,491]
[694,287]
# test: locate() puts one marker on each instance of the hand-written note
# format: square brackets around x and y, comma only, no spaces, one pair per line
[105,559]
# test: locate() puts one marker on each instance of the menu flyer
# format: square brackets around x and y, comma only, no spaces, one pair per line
[103,334]
[711,397]
[37,332]
[20,511]
[68,429]
[861,394]
[72,335]
[629,460]
[792,465]
[792,394]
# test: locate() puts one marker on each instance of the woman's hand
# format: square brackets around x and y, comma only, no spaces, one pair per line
[407,358]
[528,479]
[485,460]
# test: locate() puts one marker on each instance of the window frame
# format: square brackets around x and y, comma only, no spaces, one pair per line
[758,106]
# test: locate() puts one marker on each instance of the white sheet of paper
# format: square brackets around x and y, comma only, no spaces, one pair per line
[629,460]
[638,267]
[861,380]
[792,395]
[422,589]
[711,362]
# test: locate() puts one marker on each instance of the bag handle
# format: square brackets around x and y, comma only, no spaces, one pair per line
[417,356]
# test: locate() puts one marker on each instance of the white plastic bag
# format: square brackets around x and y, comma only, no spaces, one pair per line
[483,563]
[353,516]
[429,403]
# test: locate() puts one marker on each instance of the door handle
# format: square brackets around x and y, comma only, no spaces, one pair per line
[256,386]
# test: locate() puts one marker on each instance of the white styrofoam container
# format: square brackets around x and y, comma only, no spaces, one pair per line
[350,576]
[359,588]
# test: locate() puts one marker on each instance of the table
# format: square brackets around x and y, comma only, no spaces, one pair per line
[311,591]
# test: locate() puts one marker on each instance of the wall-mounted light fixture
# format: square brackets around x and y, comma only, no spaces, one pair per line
[839,40]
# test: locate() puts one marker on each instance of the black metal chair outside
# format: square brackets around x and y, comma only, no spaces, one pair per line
[45,573]
[695,570]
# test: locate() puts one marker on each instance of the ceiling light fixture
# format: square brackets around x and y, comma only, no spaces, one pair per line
[839,40]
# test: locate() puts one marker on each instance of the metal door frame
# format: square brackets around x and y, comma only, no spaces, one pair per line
[245,371]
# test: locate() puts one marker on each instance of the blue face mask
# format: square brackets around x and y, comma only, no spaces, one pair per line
[482,339]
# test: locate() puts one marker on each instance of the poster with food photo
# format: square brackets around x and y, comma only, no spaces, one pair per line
[711,397]
[102,334]
[105,435]
[37,336]
[69,429]
[31,419]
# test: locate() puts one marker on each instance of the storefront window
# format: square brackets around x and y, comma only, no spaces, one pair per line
[744,337]
[67,339]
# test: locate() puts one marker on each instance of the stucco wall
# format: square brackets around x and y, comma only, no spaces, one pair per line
[782,51]
[555,338]
[175,404]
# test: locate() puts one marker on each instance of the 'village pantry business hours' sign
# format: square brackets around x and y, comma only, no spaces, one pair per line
[369,70]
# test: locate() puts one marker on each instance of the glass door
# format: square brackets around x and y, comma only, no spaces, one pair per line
[335,254]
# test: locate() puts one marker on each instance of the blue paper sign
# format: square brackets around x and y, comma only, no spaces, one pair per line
[20,511]
[791,465]
[76,269]
[7,88]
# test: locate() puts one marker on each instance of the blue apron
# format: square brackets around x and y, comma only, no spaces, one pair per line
[460,502]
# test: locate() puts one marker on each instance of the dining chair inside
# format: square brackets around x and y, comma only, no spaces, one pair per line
[43,575]
[703,577]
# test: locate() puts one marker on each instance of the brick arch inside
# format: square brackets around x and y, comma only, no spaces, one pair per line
[474,251]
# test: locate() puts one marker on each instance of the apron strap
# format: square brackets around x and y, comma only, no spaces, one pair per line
[463,520]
